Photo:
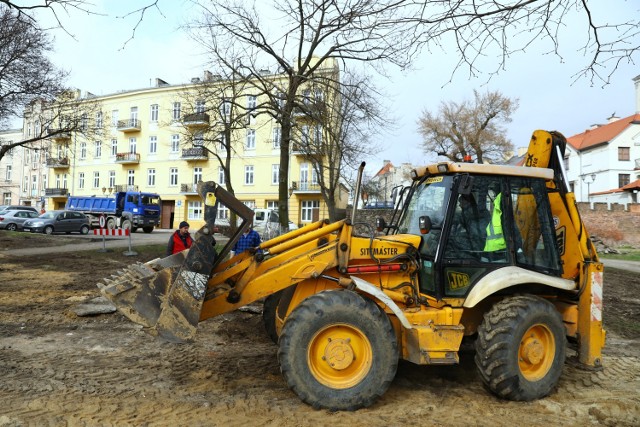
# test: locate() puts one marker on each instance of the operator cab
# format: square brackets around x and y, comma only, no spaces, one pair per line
[472,224]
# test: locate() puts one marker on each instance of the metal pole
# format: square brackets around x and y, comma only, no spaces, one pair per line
[357,195]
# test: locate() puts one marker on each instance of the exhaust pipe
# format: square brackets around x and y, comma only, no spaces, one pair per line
[357,196]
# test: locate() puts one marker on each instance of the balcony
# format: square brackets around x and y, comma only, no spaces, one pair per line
[58,163]
[131,125]
[124,188]
[58,134]
[195,153]
[196,120]
[189,188]
[313,111]
[53,192]
[127,158]
[305,187]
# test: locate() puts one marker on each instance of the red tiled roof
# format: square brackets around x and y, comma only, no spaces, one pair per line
[385,169]
[603,134]
[635,185]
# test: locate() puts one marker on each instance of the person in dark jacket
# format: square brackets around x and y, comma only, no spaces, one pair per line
[180,240]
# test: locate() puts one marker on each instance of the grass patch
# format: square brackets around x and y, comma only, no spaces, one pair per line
[626,254]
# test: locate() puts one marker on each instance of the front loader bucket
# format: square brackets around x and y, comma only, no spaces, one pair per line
[166,295]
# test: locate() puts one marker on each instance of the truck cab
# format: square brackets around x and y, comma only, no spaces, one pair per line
[138,210]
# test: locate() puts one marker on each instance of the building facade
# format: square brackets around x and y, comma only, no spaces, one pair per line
[159,140]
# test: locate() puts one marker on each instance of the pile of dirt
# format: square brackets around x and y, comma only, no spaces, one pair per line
[61,369]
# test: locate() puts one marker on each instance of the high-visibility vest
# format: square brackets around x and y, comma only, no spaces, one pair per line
[495,238]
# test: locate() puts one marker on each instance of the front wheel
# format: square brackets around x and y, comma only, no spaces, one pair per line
[520,350]
[126,224]
[48,229]
[148,229]
[338,351]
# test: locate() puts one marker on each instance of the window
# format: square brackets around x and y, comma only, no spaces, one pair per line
[96,179]
[131,177]
[305,135]
[34,184]
[175,115]
[58,180]
[198,139]
[132,145]
[275,174]
[151,177]
[306,97]
[318,95]
[133,116]
[225,107]
[7,175]
[277,136]
[60,152]
[223,142]
[173,177]
[83,150]
[272,204]
[248,175]
[175,143]
[153,113]
[25,183]
[114,147]
[623,154]
[194,210]
[99,120]
[223,212]
[44,181]
[112,179]
[98,150]
[251,139]
[114,117]
[252,101]
[6,198]
[81,180]
[623,179]
[310,210]
[221,177]
[317,135]
[197,175]
[153,144]
[304,176]
[84,122]
[200,108]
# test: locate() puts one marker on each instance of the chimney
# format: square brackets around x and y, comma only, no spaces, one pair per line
[160,82]
[636,80]
[208,76]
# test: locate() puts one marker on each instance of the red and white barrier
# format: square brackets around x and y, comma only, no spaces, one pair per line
[108,232]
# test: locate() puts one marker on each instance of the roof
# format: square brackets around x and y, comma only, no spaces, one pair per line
[385,169]
[602,134]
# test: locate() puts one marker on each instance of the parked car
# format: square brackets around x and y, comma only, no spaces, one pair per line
[13,220]
[5,208]
[58,222]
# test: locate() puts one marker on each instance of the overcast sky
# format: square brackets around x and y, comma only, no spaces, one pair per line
[549,98]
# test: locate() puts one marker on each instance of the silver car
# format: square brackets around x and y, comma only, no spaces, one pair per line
[58,222]
[13,220]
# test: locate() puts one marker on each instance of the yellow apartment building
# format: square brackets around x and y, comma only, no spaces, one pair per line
[150,140]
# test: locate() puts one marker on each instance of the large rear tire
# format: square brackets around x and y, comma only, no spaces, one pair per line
[338,351]
[269,309]
[520,350]
[126,225]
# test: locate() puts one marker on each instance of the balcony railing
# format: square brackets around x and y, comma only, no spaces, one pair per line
[58,163]
[305,186]
[195,153]
[131,125]
[313,110]
[189,188]
[127,158]
[58,134]
[50,192]
[196,119]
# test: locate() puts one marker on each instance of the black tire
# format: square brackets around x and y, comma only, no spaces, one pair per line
[84,229]
[12,227]
[342,328]
[148,229]
[521,346]
[48,229]
[269,309]
[134,229]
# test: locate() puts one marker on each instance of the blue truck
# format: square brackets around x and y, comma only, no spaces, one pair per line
[124,209]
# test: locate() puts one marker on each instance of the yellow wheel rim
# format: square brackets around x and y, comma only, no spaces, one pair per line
[537,352]
[339,356]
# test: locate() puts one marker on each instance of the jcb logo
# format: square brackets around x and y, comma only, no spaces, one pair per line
[458,280]
[561,237]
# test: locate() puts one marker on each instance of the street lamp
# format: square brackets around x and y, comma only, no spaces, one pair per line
[588,179]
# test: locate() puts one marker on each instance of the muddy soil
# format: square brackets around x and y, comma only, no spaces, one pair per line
[59,369]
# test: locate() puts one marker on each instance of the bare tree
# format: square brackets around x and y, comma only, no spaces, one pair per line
[334,132]
[470,128]
[309,36]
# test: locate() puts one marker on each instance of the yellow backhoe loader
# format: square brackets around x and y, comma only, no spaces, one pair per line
[497,254]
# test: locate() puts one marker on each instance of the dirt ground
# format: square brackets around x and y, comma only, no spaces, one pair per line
[59,369]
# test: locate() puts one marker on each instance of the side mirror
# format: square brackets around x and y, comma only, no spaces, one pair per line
[380,224]
[424,224]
